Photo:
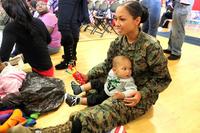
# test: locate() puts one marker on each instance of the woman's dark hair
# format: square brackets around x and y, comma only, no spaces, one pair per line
[136,10]
[19,11]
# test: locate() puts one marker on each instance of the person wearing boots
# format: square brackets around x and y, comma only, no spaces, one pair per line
[71,13]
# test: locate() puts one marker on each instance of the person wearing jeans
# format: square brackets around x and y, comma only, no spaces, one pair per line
[177,33]
[154,9]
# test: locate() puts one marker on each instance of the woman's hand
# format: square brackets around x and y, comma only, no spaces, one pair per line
[134,100]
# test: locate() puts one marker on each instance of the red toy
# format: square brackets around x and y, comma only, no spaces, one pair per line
[76,74]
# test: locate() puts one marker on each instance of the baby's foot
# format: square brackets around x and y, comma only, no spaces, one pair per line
[71,100]
[76,88]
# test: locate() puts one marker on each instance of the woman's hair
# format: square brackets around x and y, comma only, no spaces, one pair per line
[136,10]
[19,11]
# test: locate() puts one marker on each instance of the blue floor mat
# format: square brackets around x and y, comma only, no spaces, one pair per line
[188,39]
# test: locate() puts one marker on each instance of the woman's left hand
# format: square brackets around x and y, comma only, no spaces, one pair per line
[134,100]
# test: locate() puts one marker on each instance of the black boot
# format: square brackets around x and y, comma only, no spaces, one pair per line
[174,57]
[62,65]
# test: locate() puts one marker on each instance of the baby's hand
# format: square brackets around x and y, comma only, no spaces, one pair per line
[118,95]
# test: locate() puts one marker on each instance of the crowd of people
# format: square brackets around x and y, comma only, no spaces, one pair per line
[127,83]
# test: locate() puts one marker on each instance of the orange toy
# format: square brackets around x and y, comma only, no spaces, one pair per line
[14,119]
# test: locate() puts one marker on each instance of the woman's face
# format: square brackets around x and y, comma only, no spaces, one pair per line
[41,6]
[124,22]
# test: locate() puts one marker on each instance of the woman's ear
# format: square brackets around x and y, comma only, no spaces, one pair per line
[138,20]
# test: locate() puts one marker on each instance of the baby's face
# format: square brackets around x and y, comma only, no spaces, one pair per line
[124,70]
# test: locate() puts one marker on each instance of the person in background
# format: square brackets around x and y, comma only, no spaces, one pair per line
[71,13]
[32,5]
[177,34]
[154,9]
[119,84]
[29,34]
[51,22]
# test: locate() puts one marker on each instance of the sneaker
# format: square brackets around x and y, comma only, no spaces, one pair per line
[76,88]
[71,100]
[167,51]
[174,57]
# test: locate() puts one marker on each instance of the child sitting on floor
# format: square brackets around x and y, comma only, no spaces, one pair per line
[11,78]
[119,84]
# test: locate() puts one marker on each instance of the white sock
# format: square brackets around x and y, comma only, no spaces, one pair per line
[82,88]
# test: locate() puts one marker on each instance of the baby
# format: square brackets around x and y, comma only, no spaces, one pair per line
[119,84]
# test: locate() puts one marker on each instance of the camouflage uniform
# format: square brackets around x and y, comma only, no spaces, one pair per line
[151,76]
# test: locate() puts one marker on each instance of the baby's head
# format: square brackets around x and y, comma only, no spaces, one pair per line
[122,66]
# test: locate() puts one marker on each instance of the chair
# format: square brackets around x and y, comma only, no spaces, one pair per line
[110,20]
[100,19]
[90,10]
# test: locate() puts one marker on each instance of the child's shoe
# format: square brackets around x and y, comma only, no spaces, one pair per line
[76,88]
[71,100]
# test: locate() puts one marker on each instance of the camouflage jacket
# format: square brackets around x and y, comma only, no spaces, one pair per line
[150,69]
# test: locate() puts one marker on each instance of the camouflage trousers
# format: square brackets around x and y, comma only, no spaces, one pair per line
[111,113]
[97,119]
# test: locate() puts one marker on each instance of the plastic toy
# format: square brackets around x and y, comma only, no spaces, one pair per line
[76,74]
[14,119]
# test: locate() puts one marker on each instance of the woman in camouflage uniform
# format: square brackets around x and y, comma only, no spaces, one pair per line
[150,72]
[149,69]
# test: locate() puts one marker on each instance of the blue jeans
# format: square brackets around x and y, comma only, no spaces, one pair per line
[152,23]
[177,33]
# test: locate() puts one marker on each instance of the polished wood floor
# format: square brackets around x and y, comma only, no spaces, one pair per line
[178,107]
